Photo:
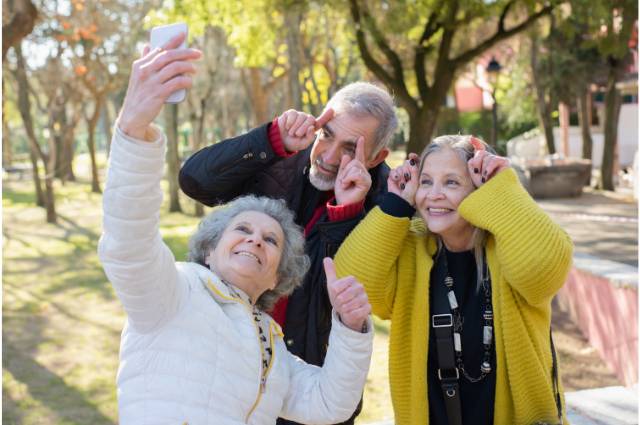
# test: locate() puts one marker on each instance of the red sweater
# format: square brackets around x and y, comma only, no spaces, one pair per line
[334,213]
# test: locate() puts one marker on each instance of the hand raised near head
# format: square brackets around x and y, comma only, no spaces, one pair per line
[404,179]
[297,129]
[484,165]
[157,74]
[353,180]
[348,298]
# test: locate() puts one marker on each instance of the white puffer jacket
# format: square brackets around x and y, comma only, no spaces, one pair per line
[190,351]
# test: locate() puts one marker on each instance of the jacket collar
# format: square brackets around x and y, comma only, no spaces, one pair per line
[214,285]
[224,294]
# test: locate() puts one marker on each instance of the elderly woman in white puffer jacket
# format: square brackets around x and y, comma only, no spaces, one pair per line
[198,347]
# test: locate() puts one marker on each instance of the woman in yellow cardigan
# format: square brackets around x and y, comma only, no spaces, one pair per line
[467,286]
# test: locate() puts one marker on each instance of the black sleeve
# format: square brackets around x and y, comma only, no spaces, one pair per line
[333,233]
[396,206]
[220,172]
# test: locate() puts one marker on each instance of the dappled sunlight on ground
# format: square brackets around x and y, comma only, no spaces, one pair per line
[61,318]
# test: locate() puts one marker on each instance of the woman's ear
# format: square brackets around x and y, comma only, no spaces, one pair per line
[208,260]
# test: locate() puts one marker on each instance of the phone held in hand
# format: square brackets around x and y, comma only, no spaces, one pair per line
[159,37]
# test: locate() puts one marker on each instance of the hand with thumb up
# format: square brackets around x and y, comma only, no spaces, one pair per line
[348,298]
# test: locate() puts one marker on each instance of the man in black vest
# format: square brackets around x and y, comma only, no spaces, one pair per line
[330,170]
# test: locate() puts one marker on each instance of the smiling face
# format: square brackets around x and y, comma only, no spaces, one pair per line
[444,183]
[248,253]
[337,138]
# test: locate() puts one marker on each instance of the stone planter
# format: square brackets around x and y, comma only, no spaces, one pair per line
[557,178]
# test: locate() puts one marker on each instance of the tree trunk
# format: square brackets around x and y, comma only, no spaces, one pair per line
[24,105]
[106,125]
[228,128]
[68,139]
[612,104]
[542,107]
[258,96]
[494,120]
[293,19]
[421,128]
[91,130]
[173,159]
[57,124]
[23,15]
[49,201]
[58,167]
[563,118]
[37,183]
[584,115]
[197,124]
[68,143]
[6,142]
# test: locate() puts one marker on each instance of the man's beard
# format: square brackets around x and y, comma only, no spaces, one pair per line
[319,180]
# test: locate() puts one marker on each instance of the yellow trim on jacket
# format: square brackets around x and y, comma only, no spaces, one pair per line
[529,258]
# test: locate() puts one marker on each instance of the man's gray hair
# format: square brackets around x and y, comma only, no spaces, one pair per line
[293,263]
[366,99]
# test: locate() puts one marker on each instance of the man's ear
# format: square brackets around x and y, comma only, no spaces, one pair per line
[381,156]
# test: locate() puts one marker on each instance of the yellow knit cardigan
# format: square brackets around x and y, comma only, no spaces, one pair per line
[529,257]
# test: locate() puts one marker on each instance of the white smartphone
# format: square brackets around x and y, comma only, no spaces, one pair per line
[159,37]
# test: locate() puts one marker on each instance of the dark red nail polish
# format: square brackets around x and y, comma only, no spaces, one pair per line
[412,162]
[402,186]
[483,180]
[407,176]
[475,170]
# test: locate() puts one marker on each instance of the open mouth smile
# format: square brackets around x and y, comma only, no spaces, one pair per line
[439,211]
[250,255]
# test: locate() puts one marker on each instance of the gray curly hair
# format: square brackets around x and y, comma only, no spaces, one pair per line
[293,263]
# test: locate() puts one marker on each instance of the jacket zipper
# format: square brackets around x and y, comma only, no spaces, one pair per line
[263,377]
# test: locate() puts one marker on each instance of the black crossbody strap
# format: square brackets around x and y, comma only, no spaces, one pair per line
[442,325]
[554,376]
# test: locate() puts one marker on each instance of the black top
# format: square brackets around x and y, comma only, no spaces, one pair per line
[477,398]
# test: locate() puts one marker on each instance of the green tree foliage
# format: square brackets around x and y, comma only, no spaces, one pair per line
[417,48]
[311,43]
[516,94]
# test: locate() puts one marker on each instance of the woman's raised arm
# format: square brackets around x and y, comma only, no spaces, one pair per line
[139,265]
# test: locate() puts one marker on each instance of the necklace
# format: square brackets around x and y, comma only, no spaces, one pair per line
[487,334]
[265,348]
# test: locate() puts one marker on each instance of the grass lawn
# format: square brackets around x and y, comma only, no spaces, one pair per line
[62,321]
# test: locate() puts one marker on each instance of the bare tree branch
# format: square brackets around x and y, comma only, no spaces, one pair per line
[501,34]
[378,37]
[432,26]
[503,15]
[398,86]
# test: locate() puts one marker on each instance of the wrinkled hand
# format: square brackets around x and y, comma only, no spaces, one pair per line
[484,165]
[347,297]
[297,129]
[157,74]
[353,180]
[404,179]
